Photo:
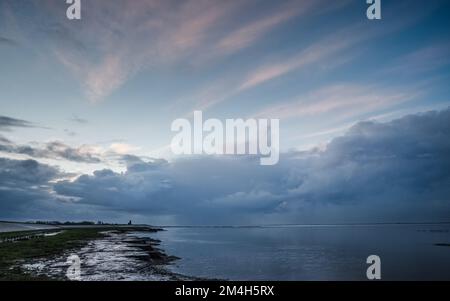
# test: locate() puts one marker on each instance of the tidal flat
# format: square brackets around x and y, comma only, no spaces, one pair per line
[105,254]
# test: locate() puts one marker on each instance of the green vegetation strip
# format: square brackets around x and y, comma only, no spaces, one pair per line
[46,246]
[25,234]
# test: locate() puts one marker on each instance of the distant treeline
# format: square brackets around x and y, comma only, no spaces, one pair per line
[72,223]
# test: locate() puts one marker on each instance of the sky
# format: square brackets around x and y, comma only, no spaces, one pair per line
[86,108]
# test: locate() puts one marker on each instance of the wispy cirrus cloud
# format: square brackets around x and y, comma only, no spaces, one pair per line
[346,100]
[6,123]
[114,43]
[222,90]
[425,59]
[247,34]
[331,51]
[130,37]
[329,48]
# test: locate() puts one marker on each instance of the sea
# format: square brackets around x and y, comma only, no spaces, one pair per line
[309,252]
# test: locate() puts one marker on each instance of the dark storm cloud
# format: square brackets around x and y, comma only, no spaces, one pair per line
[22,174]
[403,160]
[23,184]
[394,167]
[26,193]
[395,171]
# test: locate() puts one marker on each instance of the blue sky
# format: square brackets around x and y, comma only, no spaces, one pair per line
[101,93]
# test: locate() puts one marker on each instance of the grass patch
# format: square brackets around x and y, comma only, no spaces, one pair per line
[11,252]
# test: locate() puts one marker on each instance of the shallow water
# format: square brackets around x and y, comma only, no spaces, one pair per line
[407,252]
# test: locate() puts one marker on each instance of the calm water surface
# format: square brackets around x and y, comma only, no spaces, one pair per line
[408,252]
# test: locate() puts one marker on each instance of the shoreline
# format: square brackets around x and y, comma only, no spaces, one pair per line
[106,253]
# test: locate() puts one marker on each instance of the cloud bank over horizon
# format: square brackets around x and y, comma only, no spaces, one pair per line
[375,172]
[87,107]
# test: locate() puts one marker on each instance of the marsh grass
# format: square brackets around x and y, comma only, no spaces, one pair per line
[44,246]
